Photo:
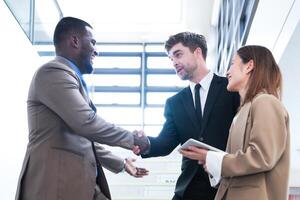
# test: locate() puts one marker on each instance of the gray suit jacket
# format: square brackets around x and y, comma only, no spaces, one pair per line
[60,162]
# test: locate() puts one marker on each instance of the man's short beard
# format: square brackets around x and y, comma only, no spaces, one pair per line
[89,68]
[184,77]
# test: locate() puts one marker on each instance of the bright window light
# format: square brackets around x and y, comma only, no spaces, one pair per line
[158,97]
[117,62]
[115,98]
[159,63]
[121,115]
[154,116]
[165,80]
[114,80]
[120,48]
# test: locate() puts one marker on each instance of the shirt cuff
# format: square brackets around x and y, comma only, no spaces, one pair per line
[147,150]
[123,170]
[214,166]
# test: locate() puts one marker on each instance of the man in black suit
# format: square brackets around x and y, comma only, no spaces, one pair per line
[207,120]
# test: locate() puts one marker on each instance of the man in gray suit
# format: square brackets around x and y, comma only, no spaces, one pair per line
[64,159]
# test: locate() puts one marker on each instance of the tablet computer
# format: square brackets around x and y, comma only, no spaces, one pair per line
[193,142]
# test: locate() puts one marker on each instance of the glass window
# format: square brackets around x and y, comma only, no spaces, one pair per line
[47,14]
[152,130]
[159,63]
[130,98]
[165,80]
[122,116]
[21,11]
[154,116]
[114,80]
[158,97]
[155,48]
[117,62]
[119,48]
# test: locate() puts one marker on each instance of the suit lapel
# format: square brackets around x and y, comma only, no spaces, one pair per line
[187,101]
[213,92]
[65,66]
[238,130]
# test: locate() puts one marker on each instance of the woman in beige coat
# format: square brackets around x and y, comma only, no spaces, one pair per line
[257,159]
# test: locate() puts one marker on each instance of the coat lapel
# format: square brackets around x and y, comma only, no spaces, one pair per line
[187,101]
[238,128]
[65,66]
[213,92]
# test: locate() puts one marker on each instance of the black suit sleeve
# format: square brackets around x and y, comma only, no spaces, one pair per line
[236,101]
[168,139]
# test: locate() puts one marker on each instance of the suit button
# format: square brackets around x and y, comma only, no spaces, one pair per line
[201,139]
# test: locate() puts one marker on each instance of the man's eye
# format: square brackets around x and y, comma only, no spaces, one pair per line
[178,55]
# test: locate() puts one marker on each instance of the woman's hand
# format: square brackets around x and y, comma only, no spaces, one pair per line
[195,153]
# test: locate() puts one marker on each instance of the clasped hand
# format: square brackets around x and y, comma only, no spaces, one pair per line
[141,142]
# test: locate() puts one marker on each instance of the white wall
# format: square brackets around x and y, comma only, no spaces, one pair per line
[290,67]
[18,63]
[276,25]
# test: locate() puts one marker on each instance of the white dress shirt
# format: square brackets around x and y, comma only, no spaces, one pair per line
[205,84]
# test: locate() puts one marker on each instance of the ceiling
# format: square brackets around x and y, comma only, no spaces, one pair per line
[273,24]
[140,20]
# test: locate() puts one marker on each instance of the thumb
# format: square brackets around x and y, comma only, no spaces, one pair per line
[131,159]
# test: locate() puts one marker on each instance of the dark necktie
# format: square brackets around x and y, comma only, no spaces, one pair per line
[198,102]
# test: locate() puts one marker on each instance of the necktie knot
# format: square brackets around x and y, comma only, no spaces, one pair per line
[197,87]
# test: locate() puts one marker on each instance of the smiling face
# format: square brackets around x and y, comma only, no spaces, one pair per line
[238,74]
[87,51]
[184,61]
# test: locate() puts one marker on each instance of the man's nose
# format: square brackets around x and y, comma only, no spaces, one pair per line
[175,63]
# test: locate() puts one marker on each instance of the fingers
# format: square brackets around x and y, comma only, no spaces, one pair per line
[187,152]
[140,172]
[133,170]
[136,150]
[130,160]
[197,149]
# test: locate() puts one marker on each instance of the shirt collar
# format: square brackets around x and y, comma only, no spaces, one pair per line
[73,66]
[205,82]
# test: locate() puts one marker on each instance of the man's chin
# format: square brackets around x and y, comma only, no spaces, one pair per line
[183,77]
[89,68]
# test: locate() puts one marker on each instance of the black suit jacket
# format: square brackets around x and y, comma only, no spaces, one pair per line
[181,124]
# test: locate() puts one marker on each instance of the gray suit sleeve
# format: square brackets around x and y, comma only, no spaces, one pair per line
[59,90]
[108,160]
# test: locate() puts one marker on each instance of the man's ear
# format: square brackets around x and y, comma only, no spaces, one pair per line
[74,41]
[198,51]
[250,66]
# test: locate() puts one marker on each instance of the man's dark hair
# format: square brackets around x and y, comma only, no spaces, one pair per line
[188,39]
[66,26]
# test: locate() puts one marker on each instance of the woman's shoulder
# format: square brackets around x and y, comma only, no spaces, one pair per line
[265,98]
[264,101]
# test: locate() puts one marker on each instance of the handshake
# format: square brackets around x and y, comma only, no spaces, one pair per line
[141,146]
[141,143]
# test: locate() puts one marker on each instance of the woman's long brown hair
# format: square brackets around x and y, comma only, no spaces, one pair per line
[265,76]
